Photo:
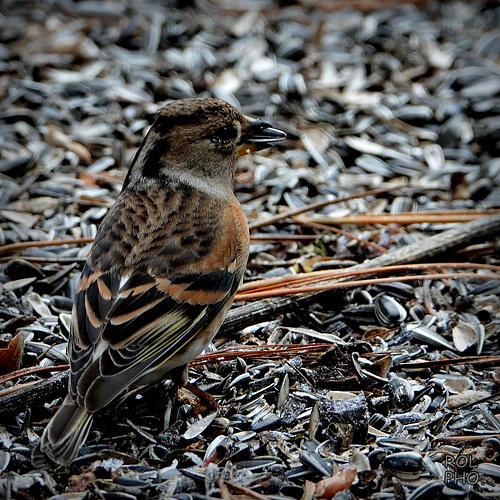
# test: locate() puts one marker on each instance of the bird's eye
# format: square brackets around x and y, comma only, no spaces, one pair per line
[225,134]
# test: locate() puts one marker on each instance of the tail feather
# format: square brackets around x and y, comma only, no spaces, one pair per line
[66,432]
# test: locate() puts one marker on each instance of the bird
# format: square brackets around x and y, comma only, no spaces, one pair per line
[164,266]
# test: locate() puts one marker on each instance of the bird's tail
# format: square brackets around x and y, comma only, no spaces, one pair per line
[66,432]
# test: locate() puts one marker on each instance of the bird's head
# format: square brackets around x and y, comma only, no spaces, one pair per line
[200,138]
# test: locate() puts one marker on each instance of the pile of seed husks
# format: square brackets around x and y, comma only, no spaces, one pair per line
[405,100]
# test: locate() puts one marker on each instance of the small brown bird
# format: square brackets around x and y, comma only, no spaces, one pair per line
[165,264]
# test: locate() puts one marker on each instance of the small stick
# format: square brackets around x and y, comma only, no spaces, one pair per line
[403,219]
[278,292]
[440,363]
[247,491]
[31,371]
[319,204]
[444,243]
[47,390]
[326,274]
[23,245]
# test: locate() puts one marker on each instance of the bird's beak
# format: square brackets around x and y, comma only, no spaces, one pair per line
[256,135]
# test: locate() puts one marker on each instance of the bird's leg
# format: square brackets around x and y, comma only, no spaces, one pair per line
[207,398]
[180,378]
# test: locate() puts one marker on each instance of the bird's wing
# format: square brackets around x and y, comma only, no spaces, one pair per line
[126,325]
